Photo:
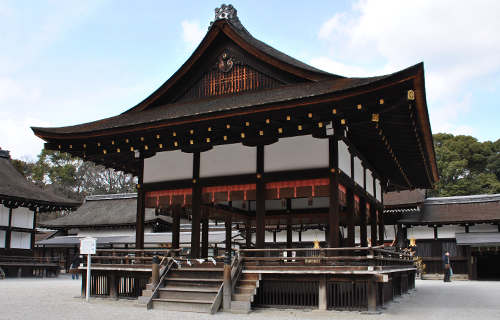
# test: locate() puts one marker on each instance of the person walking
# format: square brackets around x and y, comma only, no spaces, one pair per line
[74,265]
[446,266]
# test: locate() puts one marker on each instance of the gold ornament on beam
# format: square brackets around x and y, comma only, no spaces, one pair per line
[316,244]
[375,117]
[412,241]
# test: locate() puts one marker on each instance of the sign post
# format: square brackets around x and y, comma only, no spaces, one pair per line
[88,247]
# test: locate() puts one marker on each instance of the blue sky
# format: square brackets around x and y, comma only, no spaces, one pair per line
[68,62]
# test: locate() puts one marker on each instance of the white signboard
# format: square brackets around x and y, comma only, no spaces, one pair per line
[88,245]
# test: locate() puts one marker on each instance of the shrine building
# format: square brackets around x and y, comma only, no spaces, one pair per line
[245,134]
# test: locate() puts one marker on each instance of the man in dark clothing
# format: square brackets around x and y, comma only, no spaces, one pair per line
[74,265]
[446,266]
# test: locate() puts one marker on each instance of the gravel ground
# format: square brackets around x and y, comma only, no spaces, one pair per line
[59,298]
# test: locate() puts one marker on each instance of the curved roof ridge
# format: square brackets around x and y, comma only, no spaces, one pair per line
[463,199]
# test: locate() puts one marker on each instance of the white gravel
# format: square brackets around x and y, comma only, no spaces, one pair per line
[59,298]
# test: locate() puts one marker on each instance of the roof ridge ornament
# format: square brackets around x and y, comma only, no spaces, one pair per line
[229,13]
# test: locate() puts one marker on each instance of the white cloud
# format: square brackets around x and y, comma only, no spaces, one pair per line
[19,139]
[459,43]
[192,34]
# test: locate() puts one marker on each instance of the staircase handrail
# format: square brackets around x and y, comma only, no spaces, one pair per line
[236,270]
[167,266]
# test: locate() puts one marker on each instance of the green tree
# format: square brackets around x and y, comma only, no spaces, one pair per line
[466,166]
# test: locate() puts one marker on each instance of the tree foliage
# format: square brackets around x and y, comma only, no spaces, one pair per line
[72,177]
[466,166]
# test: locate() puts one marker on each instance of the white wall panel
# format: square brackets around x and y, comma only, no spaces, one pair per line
[3,233]
[421,232]
[4,215]
[22,218]
[20,240]
[168,166]
[483,228]
[359,172]
[227,160]
[449,231]
[369,182]
[378,190]
[296,153]
[344,158]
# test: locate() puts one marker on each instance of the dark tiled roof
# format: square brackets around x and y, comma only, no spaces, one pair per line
[105,210]
[404,198]
[446,210]
[217,104]
[243,32]
[13,186]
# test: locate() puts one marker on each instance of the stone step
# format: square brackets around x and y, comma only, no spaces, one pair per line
[242,297]
[202,306]
[243,307]
[193,295]
[245,290]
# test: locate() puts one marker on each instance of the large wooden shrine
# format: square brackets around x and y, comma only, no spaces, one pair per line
[246,134]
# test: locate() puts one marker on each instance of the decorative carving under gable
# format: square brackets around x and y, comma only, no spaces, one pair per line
[228,75]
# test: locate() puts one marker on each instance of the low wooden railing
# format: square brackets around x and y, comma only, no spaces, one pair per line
[375,257]
[28,267]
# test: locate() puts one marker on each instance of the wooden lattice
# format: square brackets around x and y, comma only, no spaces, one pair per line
[240,78]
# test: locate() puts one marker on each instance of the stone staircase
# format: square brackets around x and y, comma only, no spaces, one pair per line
[244,292]
[192,288]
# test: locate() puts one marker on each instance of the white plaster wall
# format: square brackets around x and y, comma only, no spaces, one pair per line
[22,218]
[449,231]
[3,233]
[227,160]
[168,166]
[358,172]
[358,234]
[20,240]
[107,232]
[369,182]
[389,232]
[378,189]
[4,215]
[483,228]
[344,158]
[296,153]
[421,232]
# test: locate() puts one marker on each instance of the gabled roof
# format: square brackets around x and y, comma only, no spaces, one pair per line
[236,89]
[116,210]
[15,190]
[404,198]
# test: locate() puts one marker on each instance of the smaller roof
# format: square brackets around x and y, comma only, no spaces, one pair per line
[405,198]
[454,210]
[478,238]
[15,189]
[110,210]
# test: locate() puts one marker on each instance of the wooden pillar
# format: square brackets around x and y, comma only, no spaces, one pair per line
[260,203]
[373,224]
[289,242]
[176,226]
[8,234]
[381,228]
[33,234]
[351,216]
[141,208]
[248,233]
[333,212]
[204,232]
[196,208]
[363,228]
[229,234]
[322,300]
[113,286]
[372,295]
